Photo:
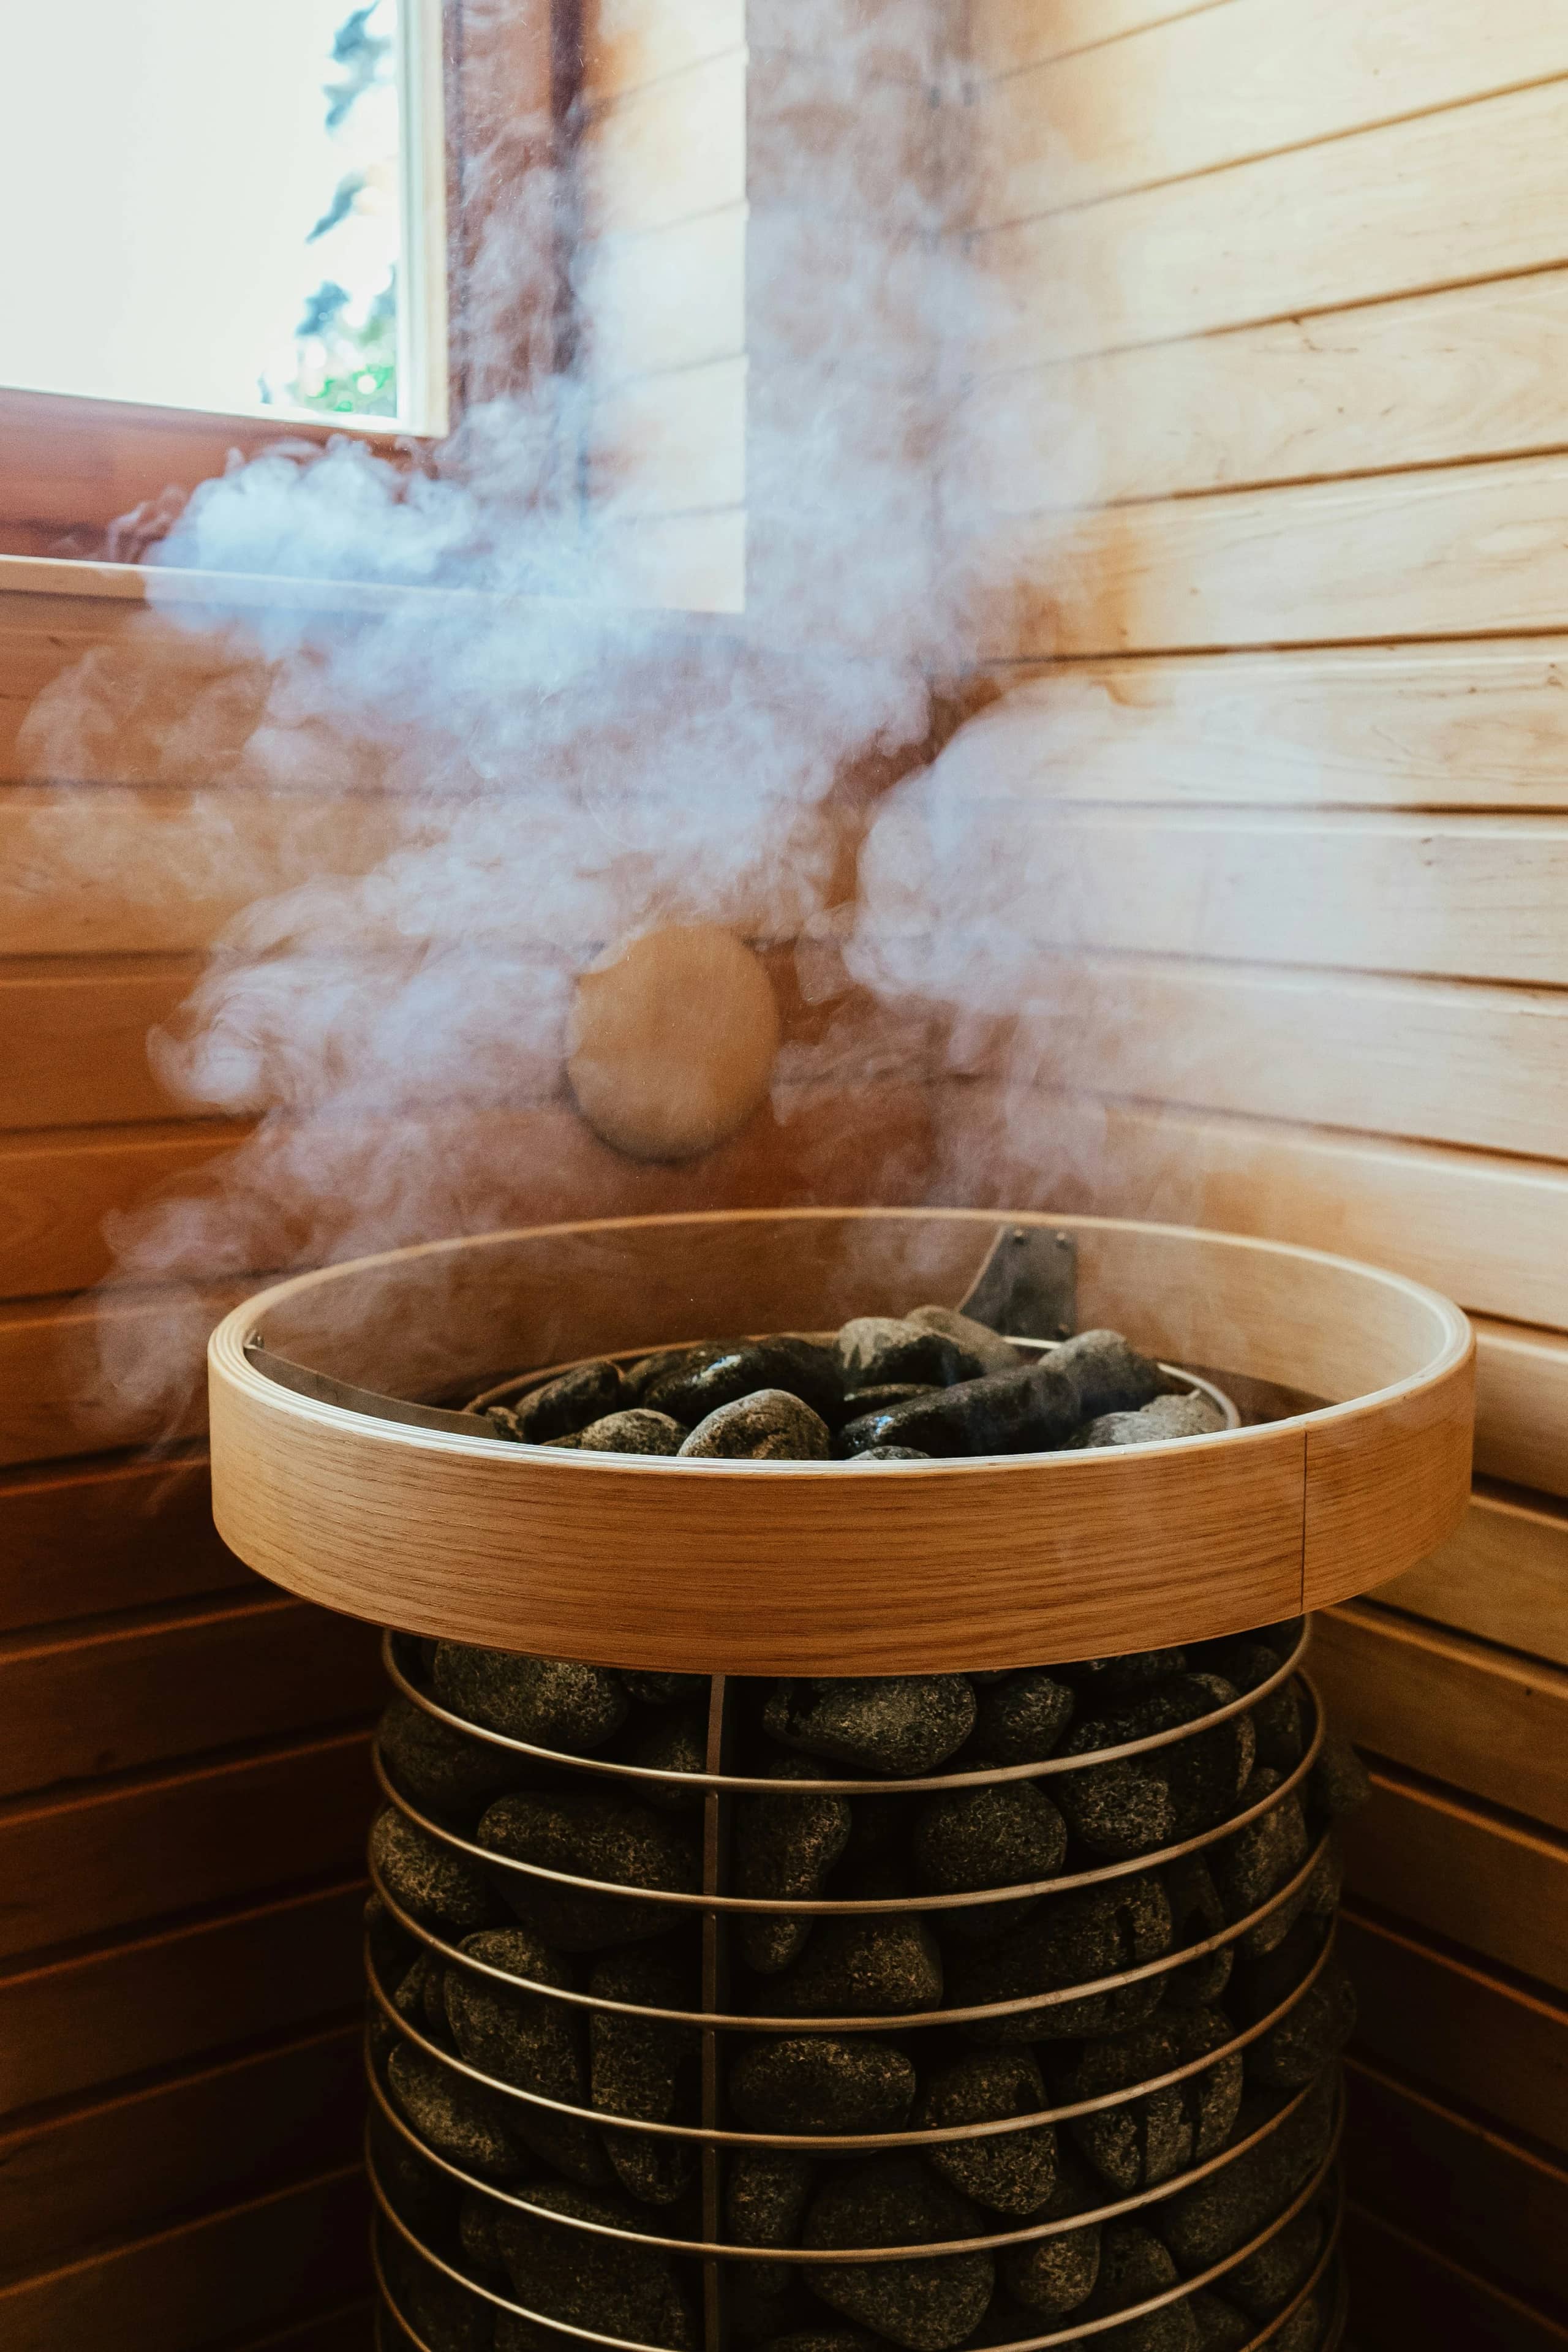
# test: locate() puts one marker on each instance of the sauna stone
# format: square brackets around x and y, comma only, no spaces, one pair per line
[1338,1780]
[926,2305]
[634,1430]
[676,1740]
[1196,1914]
[424,2195]
[598,2284]
[459,2120]
[817,2083]
[568,1405]
[1221,2327]
[1006,1834]
[889,1454]
[784,1847]
[441,1889]
[1166,1417]
[821,2339]
[638,2063]
[1097,1679]
[1023,1411]
[878,1351]
[528,2040]
[905,1725]
[1055,2275]
[1140,1802]
[663,1690]
[1021,1719]
[1307,2036]
[766,2192]
[1264,2282]
[712,1377]
[1133,2266]
[1247,1866]
[991,1351]
[1217,2216]
[1012,2173]
[1277,1720]
[1098,1931]
[1142,2142]
[448,2319]
[768,1426]
[1107,1375]
[549,1702]
[882,1964]
[444,1772]
[599,1837]
[858,1402]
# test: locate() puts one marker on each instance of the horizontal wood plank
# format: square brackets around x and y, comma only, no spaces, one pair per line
[1522,1406]
[1503,1576]
[1404,2291]
[629,43]
[666,152]
[1474,726]
[1455,1710]
[636,295]
[1439,379]
[1004,35]
[109,1534]
[58,1192]
[1472,2037]
[1223,87]
[345,2328]
[1389,212]
[672,441]
[119,2164]
[172,1995]
[109,1697]
[178,2290]
[1451,552]
[209,1832]
[86,1377]
[73,1043]
[1487,1230]
[1488,2201]
[1476,1877]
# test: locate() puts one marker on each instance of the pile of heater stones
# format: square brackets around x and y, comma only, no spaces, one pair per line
[612,1943]
[884,1389]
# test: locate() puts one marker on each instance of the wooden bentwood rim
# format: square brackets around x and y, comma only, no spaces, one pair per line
[820,1567]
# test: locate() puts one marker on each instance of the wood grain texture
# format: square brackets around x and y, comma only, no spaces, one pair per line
[1203,91]
[175,2290]
[641,317]
[1487,1232]
[1503,1575]
[1503,2208]
[1450,1707]
[113,2166]
[73,1045]
[170,1996]
[1004,35]
[1434,2016]
[578,1562]
[87,1376]
[629,43]
[1451,552]
[1438,379]
[87,1700]
[1521,1421]
[1431,726]
[1465,897]
[205,1833]
[1403,2290]
[672,442]
[58,1190]
[1389,212]
[108,1535]
[664,153]
[1481,1878]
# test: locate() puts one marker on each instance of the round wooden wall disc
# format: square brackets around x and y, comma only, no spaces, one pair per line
[673,1041]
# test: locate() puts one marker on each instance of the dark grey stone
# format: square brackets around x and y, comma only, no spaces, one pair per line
[882,1965]
[663,1690]
[458,2118]
[634,1430]
[1021,1719]
[1024,1412]
[649,1371]
[1055,2275]
[766,2192]
[770,1425]
[878,1351]
[1217,2216]
[1196,1914]
[1006,1834]
[816,2083]
[1277,1720]
[893,2200]
[1303,2332]
[569,1403]
[859,1402]
[1307,2036]
[640,2065]
[820,2340]
[713,1378]
[1144,2141]
[1247,1866]
[447,2317]
[477,2234]
[606,1838]
[1221,2327]
[905,1725]
[1338,1782]
[1014,2172]
[1075,1939]
[441,1889]
[889,1454]
[784,1847]
[992,1353]
[1167,1794]
[1107,1375]
[1134,2266]
[875,1865]
[675,1740]
[1153,1424]
[393,1950]
[599,2284]
[425,2197]
[1264,2282]
[1097,1679]
[438,1769]
[528,2040]
[549,1702]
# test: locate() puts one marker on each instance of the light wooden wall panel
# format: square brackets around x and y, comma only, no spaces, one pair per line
[1522,1414]
[102,1535]
[1504,1576]
[1006,34]
[1406,2291]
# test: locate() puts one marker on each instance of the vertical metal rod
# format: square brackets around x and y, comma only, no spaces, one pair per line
[715,1997]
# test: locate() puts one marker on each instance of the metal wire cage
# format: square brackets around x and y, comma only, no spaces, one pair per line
[1198,2173]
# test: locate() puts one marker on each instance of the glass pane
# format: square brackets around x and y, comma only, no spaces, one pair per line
[205,203]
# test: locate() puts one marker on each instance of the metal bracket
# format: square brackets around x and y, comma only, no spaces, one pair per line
[1027,1285]
[326,1391]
